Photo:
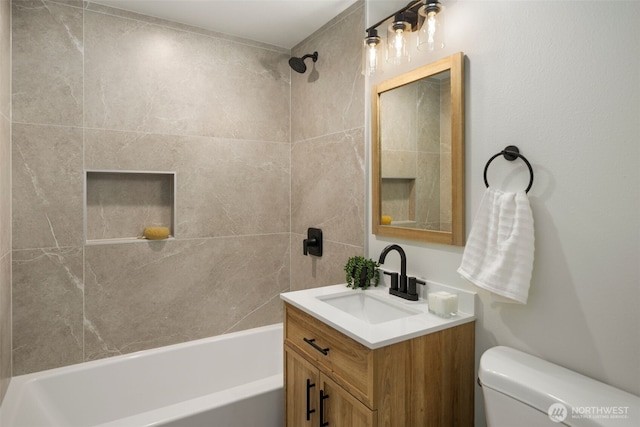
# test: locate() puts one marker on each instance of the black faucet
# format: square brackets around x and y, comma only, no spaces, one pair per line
[403,286]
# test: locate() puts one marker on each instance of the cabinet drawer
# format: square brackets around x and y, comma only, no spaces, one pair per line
[347,361]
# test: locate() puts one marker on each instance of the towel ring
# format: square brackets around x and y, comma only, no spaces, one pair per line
[510,153]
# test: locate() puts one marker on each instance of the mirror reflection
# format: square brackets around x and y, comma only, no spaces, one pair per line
[415,158]
[418,154]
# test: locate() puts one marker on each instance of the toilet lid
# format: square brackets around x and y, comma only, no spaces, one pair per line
[540,384]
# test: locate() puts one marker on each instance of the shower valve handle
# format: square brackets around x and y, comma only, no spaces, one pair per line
[308,243]
[312,245]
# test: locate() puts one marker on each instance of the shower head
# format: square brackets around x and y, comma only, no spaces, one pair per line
[298,65]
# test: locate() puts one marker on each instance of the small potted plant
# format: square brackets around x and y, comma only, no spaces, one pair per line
[361,272]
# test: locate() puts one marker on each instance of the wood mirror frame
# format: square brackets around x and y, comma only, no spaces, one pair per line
[456,235]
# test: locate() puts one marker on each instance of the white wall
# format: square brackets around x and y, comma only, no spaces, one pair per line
[561,80]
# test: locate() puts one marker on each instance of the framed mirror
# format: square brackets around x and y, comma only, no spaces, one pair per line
[418,154]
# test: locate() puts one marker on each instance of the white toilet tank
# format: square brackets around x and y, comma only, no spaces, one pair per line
[522,390]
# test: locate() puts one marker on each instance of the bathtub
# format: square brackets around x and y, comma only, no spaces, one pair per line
[232,380]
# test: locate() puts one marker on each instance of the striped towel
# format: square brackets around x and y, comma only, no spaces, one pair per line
[499,252]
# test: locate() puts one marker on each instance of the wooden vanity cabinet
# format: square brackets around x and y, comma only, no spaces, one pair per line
[421,382]
[304,382]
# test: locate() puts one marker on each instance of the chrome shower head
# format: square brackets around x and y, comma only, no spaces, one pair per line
[298,65]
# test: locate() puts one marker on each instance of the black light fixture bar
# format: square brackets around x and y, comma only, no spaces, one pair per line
[404,9]
[418,16]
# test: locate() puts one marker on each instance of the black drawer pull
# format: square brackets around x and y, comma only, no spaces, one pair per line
[312,343]
[309,410]
[323,396]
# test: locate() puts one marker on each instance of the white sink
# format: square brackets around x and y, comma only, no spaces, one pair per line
[368,307]
[375,318]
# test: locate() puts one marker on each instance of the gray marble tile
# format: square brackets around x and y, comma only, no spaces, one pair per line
[5,59]
[429,112]
[121,150]
[5,186]
[224,187]
[234,188]
[445,116]
[327,186]
[398,116]
[5,198]
[47,63]
[47,309]
[47,186]
[398,164]
[313,272]
[74,3]
[269,313]
[329,97]
[145,77]
[445,189]
[5,323]
[428,185]
[143,295]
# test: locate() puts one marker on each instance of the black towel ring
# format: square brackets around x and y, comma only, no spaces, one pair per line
[510,153]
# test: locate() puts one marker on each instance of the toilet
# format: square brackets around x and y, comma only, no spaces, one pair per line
[522,390]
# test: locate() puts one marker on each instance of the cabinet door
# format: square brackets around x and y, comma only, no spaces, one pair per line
[302,389]
[341,409]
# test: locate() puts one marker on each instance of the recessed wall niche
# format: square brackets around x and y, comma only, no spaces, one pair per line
[399,200]
[120,204]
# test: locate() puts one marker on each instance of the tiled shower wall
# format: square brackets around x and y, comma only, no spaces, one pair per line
[327,150]
[96,88]
[5,197]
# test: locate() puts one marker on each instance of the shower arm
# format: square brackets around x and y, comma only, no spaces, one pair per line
[313,56]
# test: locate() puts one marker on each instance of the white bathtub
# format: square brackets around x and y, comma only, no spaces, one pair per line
[232,380]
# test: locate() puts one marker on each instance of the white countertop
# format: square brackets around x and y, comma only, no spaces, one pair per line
[382,334]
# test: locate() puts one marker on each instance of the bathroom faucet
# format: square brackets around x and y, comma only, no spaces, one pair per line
[403,286]
[403,268]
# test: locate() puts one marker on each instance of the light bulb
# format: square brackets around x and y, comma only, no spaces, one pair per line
[431,30]
[397,51]
[370,53]
[430,36]
[373,58]
[399,42]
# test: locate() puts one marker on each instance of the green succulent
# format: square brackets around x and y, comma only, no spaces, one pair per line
[353,269]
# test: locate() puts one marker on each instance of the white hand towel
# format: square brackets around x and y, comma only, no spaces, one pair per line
[499,252]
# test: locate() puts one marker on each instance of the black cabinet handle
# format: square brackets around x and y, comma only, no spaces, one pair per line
[309,410]
[323,396]
[312,343]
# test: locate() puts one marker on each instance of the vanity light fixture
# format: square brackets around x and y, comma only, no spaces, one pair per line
[371,52]
[397,38]
[422,16]
[430,36]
